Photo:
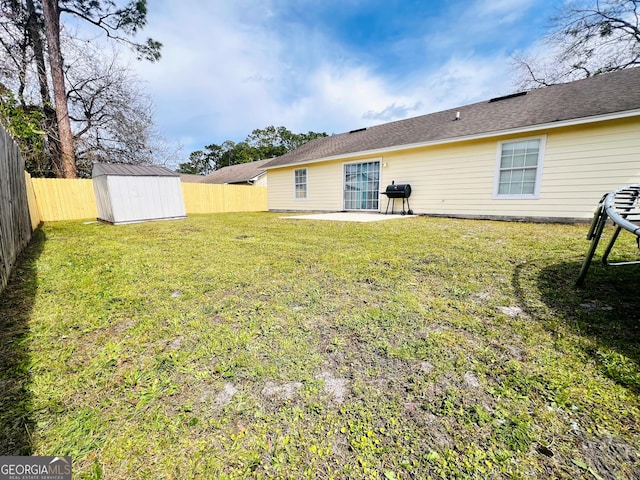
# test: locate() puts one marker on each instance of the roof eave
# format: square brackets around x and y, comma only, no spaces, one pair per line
[480,136]
[252,178]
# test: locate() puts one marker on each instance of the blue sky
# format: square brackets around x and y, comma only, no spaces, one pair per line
[229,67]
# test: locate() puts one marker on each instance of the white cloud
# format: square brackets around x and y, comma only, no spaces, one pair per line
[392,112]
[230,67]
[500,11]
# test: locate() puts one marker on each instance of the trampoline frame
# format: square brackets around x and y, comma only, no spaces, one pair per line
[622,207]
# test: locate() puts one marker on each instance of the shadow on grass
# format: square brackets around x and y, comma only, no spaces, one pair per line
[16,302]
[606,311]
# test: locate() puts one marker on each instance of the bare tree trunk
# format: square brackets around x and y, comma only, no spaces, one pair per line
[52,31]
[50,122]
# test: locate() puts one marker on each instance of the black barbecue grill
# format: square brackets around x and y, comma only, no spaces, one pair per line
[402,191]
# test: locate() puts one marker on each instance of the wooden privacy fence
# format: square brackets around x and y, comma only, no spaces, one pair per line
[209,198]
[62,199]
[15,221]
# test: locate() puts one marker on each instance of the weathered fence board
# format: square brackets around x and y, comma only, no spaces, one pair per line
[15,220]
[34,211]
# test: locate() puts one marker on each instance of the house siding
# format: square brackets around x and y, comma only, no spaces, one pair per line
[580,163]
[261,181]
[324,188]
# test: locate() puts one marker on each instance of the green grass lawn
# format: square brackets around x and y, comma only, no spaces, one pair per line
[252,346]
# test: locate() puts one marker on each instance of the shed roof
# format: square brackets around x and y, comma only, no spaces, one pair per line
[241,173]
[122,169]
[591,98]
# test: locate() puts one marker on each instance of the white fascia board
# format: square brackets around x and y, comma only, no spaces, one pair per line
[444,141]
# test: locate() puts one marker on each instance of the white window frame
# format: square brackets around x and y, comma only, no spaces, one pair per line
[306,184]
[536,188]
[344,183]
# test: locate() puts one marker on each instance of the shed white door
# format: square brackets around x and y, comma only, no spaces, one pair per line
[362,186]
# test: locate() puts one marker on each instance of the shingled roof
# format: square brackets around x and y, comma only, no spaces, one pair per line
[192,178]
[556,105]
[241,173]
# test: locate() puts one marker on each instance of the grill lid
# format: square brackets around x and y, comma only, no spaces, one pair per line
[398,191]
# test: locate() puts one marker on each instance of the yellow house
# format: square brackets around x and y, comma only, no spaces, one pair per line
[544,154]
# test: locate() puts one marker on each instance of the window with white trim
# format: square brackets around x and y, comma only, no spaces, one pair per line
[519,168]
[300,183]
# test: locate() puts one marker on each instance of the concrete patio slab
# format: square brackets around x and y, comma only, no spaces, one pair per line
[349,217]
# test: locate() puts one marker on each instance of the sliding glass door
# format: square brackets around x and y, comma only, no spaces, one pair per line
[362,186]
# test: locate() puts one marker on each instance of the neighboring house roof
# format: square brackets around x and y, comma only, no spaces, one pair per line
[191,178]
[241,173]
[611,95]
[122,169]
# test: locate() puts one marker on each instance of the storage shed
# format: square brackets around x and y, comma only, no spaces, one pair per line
[136,193]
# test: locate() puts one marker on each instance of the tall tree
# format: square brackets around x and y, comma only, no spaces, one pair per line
[588,37]
[15,44]
[51,11]
[260,144]
[23,50]
[34,28]
[275,141]
[111,115]
[116,23]
[198,164]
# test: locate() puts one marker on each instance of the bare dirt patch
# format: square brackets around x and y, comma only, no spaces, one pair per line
[282,391]
[335,387]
